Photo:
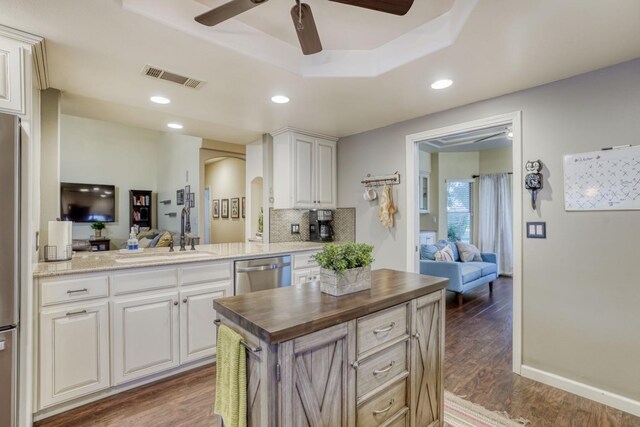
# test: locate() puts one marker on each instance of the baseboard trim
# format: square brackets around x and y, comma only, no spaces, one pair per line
[602,396]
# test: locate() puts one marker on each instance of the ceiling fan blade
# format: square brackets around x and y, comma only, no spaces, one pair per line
[396,7]
[306,29]
[226,11]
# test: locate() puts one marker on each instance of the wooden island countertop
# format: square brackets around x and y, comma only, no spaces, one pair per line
[282,314]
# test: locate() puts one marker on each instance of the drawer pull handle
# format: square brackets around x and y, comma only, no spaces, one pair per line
[382,411]
[311,261]
[75,313]
[384,370]
[76,291]
[383,330]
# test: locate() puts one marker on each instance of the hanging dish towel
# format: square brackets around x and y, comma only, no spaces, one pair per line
[231,379]
[387,208]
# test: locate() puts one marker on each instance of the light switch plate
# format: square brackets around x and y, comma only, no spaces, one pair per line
[536,230]
[295,228]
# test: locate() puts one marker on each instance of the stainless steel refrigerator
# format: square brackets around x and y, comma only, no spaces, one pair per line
[9,265]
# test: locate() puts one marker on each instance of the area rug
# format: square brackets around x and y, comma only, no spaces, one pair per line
[462,413]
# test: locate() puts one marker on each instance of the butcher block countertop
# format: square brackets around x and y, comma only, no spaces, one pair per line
[282,314]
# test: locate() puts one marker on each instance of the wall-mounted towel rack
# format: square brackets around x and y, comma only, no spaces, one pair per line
[217,322]
[380,180]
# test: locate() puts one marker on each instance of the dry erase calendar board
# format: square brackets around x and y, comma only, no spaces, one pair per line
[602,180]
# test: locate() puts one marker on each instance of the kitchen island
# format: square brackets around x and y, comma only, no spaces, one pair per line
[366,359]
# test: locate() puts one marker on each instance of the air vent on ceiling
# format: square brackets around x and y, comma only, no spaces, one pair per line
[158,73]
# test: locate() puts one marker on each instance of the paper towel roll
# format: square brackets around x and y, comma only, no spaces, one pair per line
[60,236]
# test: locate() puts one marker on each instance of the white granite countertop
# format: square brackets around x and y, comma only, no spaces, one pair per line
[90,262]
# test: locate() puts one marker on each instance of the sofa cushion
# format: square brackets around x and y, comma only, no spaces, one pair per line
[470,272]
[454,249]
[164,240]
[429,251]
[486,268]
[445,254]
[468,252]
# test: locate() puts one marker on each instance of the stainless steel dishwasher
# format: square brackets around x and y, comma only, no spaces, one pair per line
[262,273]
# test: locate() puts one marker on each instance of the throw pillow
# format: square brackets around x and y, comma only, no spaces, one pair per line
[468,252]
[144,242]
[164,240]
[445,254]
[429,251]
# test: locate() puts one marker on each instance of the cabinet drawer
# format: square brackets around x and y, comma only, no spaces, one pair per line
[400,420]
[381,368]
[206,273]
[383,407]
[379,328]
[304,260]
[145,280]
[56,291]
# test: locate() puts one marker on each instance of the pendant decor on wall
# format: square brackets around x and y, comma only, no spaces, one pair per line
[533,180]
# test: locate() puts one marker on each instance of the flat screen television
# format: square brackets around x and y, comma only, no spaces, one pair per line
[87,202]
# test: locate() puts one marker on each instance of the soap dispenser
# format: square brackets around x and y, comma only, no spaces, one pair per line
[132,243]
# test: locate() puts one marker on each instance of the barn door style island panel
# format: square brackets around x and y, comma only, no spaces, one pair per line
[372,358]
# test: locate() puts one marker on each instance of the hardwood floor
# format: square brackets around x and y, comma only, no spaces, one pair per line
[477,367]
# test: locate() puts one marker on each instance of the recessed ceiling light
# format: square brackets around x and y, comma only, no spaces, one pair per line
[175,125]
[441,84]
[280,99]
[160,100]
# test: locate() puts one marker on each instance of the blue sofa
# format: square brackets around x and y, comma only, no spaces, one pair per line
[463,276]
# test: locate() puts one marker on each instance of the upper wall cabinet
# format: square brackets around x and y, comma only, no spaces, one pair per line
[18,50]
[11,76]
[304,170]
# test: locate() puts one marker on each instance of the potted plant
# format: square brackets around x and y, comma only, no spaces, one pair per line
[345,268]
[97,227]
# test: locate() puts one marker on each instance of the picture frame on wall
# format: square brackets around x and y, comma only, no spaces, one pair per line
[235,208]
[224,208]
[215,208]
[192,200]
[180,197]
[244,207]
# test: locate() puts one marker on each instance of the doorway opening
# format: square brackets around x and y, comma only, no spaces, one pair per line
[460,191]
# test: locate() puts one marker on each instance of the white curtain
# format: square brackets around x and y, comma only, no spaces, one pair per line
[495,230]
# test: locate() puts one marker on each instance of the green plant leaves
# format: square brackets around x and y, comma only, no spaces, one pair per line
[340,258]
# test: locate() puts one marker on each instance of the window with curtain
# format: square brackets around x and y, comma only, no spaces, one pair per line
[459,208]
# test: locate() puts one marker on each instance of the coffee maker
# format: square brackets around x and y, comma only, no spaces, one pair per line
[320,227]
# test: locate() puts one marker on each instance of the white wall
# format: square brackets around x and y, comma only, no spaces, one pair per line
[226,179]
[97,152]
[580,286]
[254,186]
[178,164]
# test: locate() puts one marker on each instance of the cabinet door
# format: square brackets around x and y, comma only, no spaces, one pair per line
[427,350]
[74,352]
[317,383]
[301,276]
[303,171]
[145,336]
[326,175]
[11,76]
[197,331]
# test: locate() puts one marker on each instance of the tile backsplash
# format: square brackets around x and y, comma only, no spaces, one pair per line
[280,220]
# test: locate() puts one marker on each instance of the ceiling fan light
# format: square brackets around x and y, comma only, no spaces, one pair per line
[441,84]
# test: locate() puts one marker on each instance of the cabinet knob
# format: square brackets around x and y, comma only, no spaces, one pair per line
[175,303]
[184,300]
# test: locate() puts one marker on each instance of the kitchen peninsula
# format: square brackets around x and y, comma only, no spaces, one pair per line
[365,359]
[107,322]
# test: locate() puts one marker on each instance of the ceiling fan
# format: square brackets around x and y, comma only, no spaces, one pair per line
[301,15]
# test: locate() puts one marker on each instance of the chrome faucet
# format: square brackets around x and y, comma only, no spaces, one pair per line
[184,224]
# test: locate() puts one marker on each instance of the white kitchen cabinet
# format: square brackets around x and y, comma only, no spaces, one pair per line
[304,170]
[74,351]
[197,331]
[306,275]
[145,336]
[11,76]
